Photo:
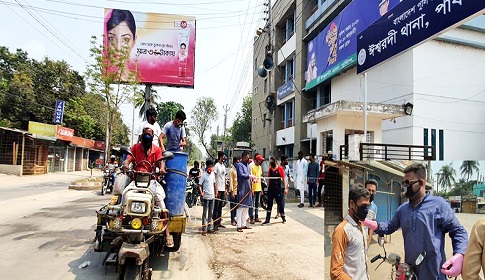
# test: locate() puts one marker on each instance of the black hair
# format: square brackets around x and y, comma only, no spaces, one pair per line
[300,152]
[196,163]
[208,163]
[235,160]
[119,16]
[312,155]
[284,157]
[151,112]
[220,155]
[372,182]
[183,44]
[418,169]
[244,153]
[357,192]
[180,115]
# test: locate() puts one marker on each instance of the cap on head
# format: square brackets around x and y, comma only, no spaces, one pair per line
[259,157]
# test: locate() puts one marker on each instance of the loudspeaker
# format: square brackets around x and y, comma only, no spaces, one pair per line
[268,63]
[262,72]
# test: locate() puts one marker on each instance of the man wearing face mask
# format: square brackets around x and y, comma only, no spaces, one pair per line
[277,175]
[348,259]
[424,221]
[371,186]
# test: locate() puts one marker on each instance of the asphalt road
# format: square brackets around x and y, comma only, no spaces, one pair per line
[47,231]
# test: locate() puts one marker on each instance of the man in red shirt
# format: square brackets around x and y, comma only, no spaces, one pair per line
[276,173]
[146,151]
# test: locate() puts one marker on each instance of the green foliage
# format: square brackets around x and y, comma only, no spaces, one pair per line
[241,127]
[446,177]
[468,167]
[204,114]
[167,110]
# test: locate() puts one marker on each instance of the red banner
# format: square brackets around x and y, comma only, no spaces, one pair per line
[64,133]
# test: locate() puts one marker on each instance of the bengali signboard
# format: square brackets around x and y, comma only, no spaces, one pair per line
[286,89]
[162,46]
[64,133]
[42,129]
[334,48]
[59,112]
[411,23]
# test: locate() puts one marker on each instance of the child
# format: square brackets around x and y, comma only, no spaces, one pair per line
[207,188]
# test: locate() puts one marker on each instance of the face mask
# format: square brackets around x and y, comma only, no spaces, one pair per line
[371,197]
[147,140]
[409,192]
[361,213]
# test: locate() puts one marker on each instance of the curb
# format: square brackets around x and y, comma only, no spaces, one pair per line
[84,187]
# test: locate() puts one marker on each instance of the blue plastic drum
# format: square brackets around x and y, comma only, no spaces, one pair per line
[176,179]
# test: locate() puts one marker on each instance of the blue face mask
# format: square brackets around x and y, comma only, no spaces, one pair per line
[146,140]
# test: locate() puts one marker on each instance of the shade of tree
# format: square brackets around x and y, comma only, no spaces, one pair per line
[446,176]
[468,167]
[204,114]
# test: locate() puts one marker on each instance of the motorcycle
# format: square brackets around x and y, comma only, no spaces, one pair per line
[108,180]
[263,200]
[132,226]
[192,193]
[400,270]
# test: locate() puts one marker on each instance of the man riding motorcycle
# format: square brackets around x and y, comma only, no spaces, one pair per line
[146,150]
[111,165]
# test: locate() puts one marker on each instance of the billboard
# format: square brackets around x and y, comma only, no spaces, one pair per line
[161,46]
[335,47]
[409,24]
[42,129]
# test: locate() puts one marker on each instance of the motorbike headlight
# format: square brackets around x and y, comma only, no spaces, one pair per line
[136,223]
[138,207]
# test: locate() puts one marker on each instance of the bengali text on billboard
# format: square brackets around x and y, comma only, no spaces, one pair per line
[161,46]
[335,47]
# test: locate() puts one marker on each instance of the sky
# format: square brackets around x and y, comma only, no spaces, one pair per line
[436,166]
[62,29]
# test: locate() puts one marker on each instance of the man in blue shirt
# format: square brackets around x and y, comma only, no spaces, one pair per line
[424,220]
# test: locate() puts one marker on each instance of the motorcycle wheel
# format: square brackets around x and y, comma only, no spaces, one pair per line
[189,200]
[132,271]
[263,201]
[104,186]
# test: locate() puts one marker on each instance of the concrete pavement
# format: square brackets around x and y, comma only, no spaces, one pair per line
[10,181]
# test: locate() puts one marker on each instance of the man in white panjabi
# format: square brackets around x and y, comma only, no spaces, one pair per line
[301,176]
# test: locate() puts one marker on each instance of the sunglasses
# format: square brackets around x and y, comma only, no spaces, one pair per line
[408,183]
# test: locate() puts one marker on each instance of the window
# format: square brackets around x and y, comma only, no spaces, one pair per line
[265,85]
[264,120]
[290,26]
[256,64]
[255,121]
[324,94]
[264,152]
[289,70]
[287,115]
[288,150]
[255,91]
[441,137]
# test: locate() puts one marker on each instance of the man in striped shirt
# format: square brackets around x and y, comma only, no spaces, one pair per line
[348,259]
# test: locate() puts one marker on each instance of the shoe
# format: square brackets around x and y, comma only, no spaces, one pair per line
[284,220]
[221,226]
[319,205]
[258,220]
[204,233]
[251,221]
[246,227]
[265,223]
[300,205]
[234,224]
[311,205]
[212,231]
[239,229]
[277,216]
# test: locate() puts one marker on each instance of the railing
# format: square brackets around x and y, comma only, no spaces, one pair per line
[374,151]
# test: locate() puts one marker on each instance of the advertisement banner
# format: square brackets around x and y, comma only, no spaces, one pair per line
[59,112]
[411,23]
[161,46]
[82,142]
[64,133]
[42,129]
[335,47]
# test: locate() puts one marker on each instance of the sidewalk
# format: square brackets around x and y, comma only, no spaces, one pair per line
[7,180]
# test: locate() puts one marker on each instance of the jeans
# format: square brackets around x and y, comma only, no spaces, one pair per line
[253,214]
[312,193]
[208,207]
[216,215]
[275,194]
[233,202]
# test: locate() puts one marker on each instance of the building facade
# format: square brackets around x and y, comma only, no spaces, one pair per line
[316,101]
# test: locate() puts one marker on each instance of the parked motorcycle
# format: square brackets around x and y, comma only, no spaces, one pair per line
[108,180]
[192,193]
[400,270]
[133,227]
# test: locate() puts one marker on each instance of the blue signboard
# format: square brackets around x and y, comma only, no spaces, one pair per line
[410,23]
[334,48]
[286,89]
[59,112]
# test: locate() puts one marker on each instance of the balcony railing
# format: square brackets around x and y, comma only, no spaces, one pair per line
[374,151]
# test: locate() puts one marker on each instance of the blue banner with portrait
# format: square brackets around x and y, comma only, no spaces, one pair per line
[411,23]
[335,47]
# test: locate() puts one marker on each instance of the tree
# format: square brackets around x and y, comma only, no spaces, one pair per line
[204,114]
[468,167]
[241,127]
[447,176]
[167,110]
[110,77]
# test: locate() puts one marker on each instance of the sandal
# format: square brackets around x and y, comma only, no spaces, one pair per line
[239,230]
[169,241]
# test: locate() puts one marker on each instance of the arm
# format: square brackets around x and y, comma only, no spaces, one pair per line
[474,252]
[339,245]
[160,141]
[283,179]
[391,226]
[458,234]
[183,142]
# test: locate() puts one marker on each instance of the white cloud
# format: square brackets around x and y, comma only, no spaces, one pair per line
[35,49]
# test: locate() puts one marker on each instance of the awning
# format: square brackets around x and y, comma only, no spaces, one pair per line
[353,165]
[41,137]
[386,168]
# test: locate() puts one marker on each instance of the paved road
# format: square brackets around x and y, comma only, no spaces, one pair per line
[396,245]
[48,232]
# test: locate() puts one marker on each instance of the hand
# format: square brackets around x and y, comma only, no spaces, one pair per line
[286,191]
[452,267]
[370,224]
[233,196]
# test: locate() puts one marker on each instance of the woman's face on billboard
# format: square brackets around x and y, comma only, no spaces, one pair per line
[121,37]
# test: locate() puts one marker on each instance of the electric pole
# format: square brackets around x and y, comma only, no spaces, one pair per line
[225,123]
